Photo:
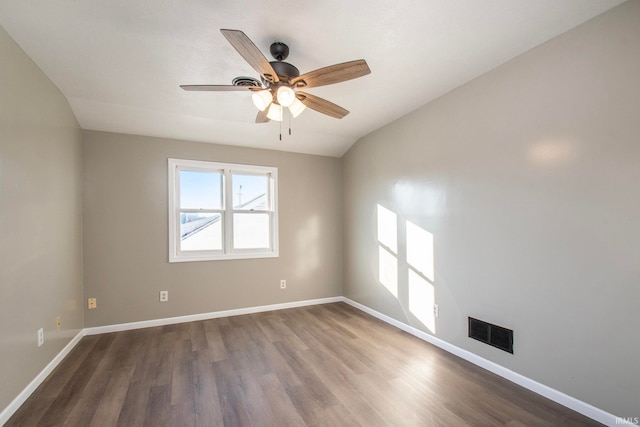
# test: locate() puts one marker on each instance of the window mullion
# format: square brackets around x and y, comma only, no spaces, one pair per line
[228,211]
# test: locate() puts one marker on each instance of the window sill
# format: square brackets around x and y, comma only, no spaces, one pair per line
[223,257]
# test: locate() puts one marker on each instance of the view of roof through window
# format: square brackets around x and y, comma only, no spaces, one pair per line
[202,191]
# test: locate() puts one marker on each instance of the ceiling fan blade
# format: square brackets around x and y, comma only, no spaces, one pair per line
[218,88]
[332,74]
[250,53]
[321,105]
[262,116]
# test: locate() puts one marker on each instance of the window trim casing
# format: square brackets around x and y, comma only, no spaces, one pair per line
[227,252]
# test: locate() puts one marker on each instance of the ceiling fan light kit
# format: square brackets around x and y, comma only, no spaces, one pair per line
[275,112]
[262,99]
[296,107]
[281,79]
[285,96]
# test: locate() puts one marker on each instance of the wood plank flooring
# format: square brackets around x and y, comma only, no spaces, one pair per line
[321,365]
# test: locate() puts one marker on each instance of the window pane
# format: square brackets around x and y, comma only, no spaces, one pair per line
[200,231]
[250,192]
[251,231]
[200,190]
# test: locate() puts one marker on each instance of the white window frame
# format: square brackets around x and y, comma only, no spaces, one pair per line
[227,211]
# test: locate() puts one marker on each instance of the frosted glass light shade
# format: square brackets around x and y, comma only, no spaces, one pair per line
[262,99]
[296,107]
[275,112]
[285,96]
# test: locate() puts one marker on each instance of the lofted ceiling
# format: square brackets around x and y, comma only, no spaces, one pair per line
[119,63]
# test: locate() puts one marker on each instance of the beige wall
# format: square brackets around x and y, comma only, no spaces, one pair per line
[528,177]
[40,220]
[126,240]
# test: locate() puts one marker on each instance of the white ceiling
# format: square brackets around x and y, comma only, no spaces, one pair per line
[119,62]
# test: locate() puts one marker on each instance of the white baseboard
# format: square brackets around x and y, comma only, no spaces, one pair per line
[33,385]
[206,316]
[541,389]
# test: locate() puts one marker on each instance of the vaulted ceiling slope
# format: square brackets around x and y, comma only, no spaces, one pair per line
[119,63]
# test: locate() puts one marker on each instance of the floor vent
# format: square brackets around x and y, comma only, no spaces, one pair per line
[493,335]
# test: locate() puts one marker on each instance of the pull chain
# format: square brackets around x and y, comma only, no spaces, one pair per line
[289,119]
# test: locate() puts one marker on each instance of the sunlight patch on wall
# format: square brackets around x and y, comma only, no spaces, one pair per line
[388,229]
[420,250]
[422,297]
[388,270]
[420,257]
[388,249]
[418,283]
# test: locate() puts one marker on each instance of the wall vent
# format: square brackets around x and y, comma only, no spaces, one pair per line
[494,335]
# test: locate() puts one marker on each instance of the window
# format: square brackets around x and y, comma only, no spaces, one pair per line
[221,211]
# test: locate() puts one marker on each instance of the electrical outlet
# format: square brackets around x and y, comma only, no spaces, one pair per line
[91,303]
[40,337]
[283,284]
[58,323]
[436,310]
[164,296]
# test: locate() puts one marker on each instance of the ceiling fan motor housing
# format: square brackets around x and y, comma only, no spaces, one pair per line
[284,70]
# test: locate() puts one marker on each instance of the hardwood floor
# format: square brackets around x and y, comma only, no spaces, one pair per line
[321,365]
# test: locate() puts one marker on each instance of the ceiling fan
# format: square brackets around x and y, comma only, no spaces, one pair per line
[281,81]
